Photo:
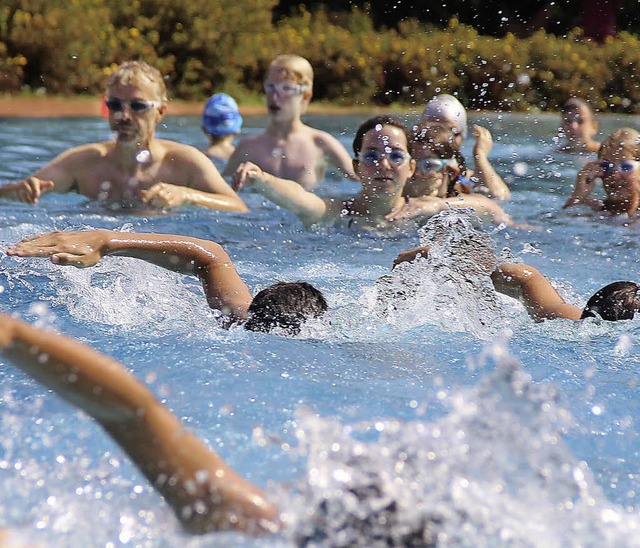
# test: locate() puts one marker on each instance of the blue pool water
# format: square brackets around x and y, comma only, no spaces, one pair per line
[503,433]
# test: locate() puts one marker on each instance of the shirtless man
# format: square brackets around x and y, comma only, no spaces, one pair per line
[288,148]
[135,168]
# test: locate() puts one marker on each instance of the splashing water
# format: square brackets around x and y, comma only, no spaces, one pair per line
[452,286]
[493,471]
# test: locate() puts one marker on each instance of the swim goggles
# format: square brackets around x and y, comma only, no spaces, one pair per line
[626,166]
[435,164]
[283,88]
[373,156]
[137,105]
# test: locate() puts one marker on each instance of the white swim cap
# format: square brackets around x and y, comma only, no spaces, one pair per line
[447,109]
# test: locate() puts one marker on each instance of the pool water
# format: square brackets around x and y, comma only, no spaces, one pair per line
[453,408]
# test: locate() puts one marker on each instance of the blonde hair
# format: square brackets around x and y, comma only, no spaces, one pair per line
[624,140]
[131,71]
[293,67]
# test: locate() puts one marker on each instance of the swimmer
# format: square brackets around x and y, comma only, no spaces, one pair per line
[618,167]
[135,168]
[289,149]
[221,124]
[578,128]
[441,172]
[446,109]
[284,306]
[615,301]
[383,164]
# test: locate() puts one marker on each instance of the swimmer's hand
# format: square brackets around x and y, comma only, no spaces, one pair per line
[28,190]
[411,255]
[166,196]
[7,330]
[79,249]
[585,183]
[426,206]
[484,142]
[246,174]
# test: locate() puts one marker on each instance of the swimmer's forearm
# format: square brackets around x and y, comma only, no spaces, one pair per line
[202,490]
[490,178]
[219,202]
[290,195]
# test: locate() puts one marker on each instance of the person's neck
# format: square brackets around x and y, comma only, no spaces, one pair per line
[377,207]
[131,156]
[281,129]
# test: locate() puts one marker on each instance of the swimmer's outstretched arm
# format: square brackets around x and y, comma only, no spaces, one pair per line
[203,491]
[207,260]
[520,281]
[288,194]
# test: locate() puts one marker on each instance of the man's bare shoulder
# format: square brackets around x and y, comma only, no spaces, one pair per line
[180,150]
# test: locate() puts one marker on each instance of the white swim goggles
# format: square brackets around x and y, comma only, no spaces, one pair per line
[436,164]
[372,156]
[283,88]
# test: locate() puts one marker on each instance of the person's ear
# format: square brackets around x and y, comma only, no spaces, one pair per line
[356,164]
[412,167]
[162,111]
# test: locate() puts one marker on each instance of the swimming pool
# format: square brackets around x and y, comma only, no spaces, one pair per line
[426,395]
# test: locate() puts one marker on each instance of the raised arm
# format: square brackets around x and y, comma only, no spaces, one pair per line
[288,194]
[585,183]
[203,491]
[484,170]
[525,283]
[207,260]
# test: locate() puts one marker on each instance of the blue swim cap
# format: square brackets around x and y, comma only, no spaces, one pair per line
[221,116]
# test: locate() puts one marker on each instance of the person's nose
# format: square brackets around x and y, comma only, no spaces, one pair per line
[385,162]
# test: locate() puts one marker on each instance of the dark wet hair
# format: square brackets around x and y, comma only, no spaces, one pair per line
[382,120]
[616,301]
[441,140]
[285,305]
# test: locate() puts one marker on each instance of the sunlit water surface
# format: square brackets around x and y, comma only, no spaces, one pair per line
[452,409]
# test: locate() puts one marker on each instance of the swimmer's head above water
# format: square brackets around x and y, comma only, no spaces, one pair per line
[285,306]
[616,301]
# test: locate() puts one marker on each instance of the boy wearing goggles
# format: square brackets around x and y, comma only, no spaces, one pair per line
[288,148]
[618,167]
[135,167]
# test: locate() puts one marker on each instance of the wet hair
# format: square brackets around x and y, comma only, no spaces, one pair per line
[371,123]
[441,140]
[285,305]
[625,140]
[294,67]
[130,72]
[616,301]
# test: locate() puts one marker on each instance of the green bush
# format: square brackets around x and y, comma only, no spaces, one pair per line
[70,46]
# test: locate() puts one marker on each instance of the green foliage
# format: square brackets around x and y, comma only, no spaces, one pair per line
[70,46]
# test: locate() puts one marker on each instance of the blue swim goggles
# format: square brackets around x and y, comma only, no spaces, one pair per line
[373,156]
[625,167]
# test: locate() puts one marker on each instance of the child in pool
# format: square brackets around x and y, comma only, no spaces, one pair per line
[289,149]
[618,167]
[441,172]
[446,109]
[284,306]
[221,124]
[579,127]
